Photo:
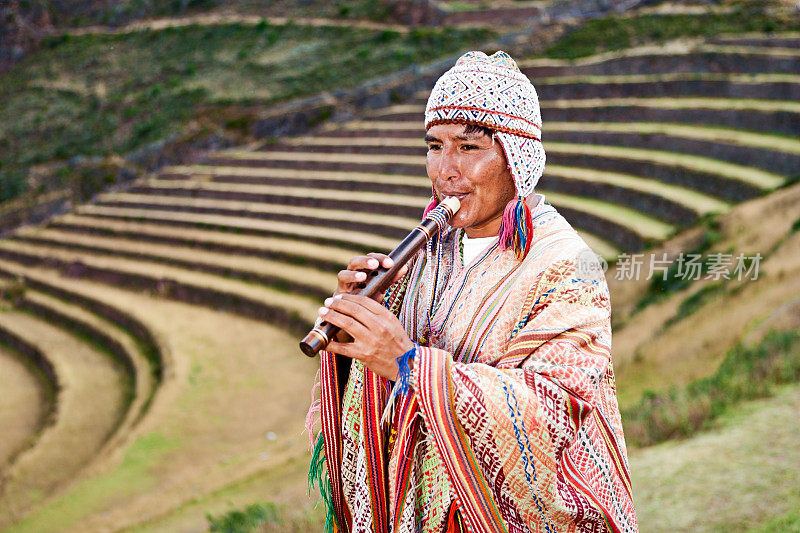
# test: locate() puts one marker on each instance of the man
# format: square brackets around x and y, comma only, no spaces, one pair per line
[490,360]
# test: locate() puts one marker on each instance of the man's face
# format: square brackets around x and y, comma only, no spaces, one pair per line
[472,167]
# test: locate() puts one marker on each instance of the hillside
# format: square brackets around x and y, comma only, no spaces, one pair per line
[148,337]
[114,89]
[86,111]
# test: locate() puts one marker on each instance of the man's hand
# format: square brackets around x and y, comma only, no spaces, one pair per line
[378,337]
[359,267]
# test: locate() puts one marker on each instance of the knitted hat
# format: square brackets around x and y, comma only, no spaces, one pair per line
[491,91]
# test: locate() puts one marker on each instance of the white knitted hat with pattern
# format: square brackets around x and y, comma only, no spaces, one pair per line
[491,91]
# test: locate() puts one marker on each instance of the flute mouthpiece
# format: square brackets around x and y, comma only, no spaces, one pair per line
[453,203]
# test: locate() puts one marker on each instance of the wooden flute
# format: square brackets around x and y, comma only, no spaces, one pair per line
[378,280]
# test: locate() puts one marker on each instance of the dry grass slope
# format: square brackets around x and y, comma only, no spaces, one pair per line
[729,479]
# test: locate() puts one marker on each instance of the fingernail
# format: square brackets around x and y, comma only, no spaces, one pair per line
[322,311]
[372,263]
[328,301]
[337,297]
[361,276]
[388,262]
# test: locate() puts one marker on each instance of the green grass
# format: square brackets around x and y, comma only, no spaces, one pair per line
[133,475]
[12,183]
[618,32]
[265,517]
[746,373]
[13,290]
[466,6]
[254,516]
[100,95]
[788,523]
[695,301]
[739,476]
[118,12]
[110,12]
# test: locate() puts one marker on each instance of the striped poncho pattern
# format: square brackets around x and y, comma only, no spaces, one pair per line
[511,420]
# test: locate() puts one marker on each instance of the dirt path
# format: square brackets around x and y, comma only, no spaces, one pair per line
[22,405]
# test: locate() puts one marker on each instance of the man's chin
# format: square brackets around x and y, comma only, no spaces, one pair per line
[459,221]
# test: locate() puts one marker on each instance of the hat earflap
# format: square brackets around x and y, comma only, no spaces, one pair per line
[433,203]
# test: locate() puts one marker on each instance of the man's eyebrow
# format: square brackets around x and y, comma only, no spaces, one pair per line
[469,136]
[461,137]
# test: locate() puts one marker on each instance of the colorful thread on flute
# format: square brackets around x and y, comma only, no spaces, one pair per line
[431,206]
[516,228]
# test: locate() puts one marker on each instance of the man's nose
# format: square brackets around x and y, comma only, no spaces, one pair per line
[448,164]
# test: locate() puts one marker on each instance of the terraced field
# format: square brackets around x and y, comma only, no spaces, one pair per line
[93,372]
[626,171]
[640,145]
[27,404]
[505,12]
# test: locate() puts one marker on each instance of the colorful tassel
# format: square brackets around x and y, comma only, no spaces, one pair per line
[313,411]
[317,475]
[317,467]
[455,522]
[401,382]
[516,228]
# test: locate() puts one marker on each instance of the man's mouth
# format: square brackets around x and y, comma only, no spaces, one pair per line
[459,195]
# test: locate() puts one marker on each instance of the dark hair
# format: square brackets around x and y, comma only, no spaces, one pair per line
[475,128]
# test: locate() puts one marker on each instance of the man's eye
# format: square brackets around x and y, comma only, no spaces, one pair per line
[469,147]
[434,147]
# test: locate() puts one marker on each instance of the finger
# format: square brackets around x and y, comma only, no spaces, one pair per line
[343,348]
[358,308]
[400,273]
[351,276]
[363,262]
[360,301]
[347,323]
[385,260]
